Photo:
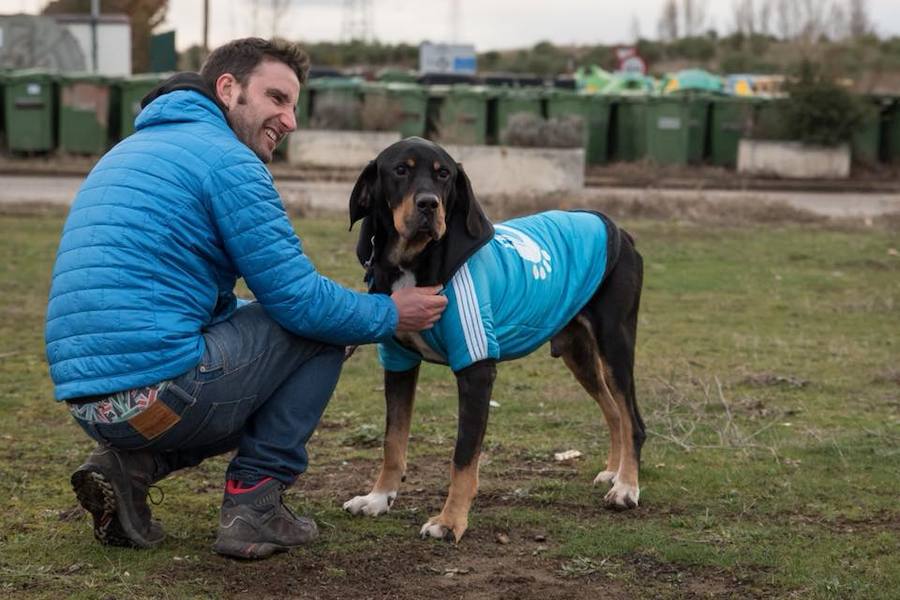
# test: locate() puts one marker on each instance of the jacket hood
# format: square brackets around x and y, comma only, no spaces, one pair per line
[168,102]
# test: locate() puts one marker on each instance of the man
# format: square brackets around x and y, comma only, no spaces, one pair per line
[145,340]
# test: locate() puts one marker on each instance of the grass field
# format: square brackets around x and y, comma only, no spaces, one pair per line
[767,374]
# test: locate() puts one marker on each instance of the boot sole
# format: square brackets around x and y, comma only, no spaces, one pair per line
[96,494]
[247,550]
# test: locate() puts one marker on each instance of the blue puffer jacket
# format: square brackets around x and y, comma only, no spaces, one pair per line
[156,238]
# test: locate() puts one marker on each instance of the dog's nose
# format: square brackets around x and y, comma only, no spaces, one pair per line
[427,202]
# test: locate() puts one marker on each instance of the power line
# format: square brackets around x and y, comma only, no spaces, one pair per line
[356,22]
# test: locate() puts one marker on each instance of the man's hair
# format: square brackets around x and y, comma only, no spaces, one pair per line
[240,57]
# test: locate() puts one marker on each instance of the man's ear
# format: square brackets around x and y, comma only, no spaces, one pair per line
[364,194]
[466,202]
[227,89]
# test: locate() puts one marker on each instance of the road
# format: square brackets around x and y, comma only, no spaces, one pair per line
[330,196]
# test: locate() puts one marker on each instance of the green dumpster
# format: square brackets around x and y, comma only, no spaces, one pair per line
[676,129]
[303,106]
[458,114]
[770,120]
[865,144]
[84,111]
[399,107]
[30,102]
[628,136]
[127,100]
[594,112]
[513,101]
[731,120]
[336,103]
[891,132]
[2,110]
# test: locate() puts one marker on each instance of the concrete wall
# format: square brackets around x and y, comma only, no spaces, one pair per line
[794,160]
[327,148]
[491,169]
[521,171]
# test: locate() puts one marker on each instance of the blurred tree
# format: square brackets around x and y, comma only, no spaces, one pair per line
[145,16]
[694,16]
[668,21]
[859,22]
[191,59]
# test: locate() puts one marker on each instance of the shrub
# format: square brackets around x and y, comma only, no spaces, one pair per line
[335,113]
[531,131]
[819,110]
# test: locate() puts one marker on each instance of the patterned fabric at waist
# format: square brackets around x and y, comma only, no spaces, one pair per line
[120,406]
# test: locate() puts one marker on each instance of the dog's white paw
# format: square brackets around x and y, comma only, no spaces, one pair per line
[607,477]
[622,496]
[372,504]
[435,530]
[441,528]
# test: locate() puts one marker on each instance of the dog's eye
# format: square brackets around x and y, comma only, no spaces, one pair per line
[443,173]
[401,170]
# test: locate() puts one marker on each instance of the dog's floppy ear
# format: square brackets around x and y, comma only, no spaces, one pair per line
[467,203]
[364,193]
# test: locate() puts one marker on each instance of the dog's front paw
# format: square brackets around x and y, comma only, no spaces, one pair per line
[442,528]
[607,477]
[372,504]
[622,496]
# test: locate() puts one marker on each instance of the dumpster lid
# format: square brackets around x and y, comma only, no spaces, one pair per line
[33,75]
[143,79]
[84,77]
[336,83]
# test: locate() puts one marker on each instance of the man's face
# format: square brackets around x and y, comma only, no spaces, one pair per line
[261,112]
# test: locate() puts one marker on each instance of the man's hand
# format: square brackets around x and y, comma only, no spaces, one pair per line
[418,307]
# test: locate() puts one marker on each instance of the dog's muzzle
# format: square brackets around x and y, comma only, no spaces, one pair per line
[427,204]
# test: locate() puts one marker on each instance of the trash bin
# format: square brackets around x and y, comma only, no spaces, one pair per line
[770,121]
[336,103]
[731,119]
[891,132]
[30,111]
[865,145]
[128,93]
[513,101]
[628,128]
[594,112]
[303,106]
[676,129]
[399,107]
[84,111]
[458,114]
[3,110]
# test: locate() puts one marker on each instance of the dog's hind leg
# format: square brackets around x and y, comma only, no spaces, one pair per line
[613,311]
[400,393]
[578,347]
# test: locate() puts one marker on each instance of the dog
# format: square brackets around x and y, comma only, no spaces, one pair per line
[573,278]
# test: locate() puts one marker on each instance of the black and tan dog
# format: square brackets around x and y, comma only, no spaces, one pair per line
[423,226]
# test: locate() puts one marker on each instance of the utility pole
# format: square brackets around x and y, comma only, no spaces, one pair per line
[455,22]
[95,17]
[205,28]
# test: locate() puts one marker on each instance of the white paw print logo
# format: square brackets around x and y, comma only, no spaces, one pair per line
[527,249]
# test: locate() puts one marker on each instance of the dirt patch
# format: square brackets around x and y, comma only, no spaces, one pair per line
[479,568]
[519,563]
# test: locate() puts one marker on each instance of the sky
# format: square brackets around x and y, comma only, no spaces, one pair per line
[489,24]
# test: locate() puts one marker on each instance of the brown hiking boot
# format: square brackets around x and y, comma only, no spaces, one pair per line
[112,485]
[255,523]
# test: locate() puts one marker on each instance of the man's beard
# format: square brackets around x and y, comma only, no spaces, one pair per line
[246,130]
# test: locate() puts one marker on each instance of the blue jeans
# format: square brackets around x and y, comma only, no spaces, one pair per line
[258,389]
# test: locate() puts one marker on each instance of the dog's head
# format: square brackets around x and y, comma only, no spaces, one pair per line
[412,193]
